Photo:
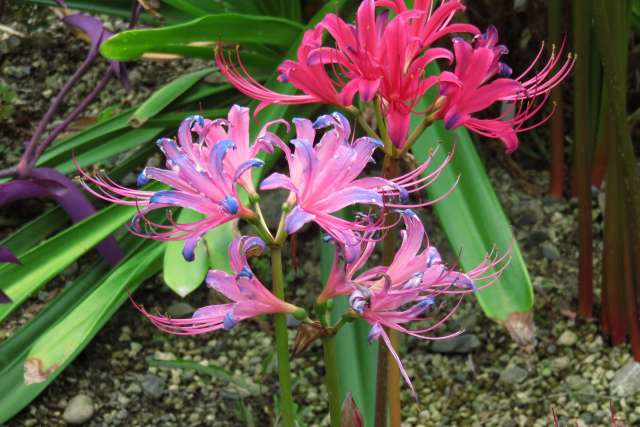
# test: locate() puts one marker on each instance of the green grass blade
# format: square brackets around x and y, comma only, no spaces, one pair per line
[474,221]
[226,27]
[165,96]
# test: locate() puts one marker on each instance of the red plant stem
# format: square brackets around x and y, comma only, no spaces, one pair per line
[583,139]
[28,158]
[615,276]
[388,380]
[631,300]
[556,179]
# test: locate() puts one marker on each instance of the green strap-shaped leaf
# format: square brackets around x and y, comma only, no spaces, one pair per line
[33,232]
[166,95]
[39,265]
[357,359]
[182,276]
[473,219]
[65,339]
[225,27]
[54,347]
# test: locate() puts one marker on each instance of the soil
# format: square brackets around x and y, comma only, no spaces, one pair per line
[495,383]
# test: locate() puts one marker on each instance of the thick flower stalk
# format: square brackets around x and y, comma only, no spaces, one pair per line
[480,80]
[248,296]
[323,178]
[405,291]
[202,173]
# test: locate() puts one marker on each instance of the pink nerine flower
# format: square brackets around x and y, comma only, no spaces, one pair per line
[480,80]
[389,57]
[403,292]
[323,179]
[376,56]
[244,155]
[200,175]
[311,78]
[249,297]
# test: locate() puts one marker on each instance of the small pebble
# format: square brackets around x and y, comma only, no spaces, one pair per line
[567,339]
[79,409]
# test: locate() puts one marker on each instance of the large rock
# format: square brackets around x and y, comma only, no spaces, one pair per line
[79,409]
[626,382]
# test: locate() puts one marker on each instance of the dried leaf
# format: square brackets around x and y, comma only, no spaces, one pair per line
[308,332]
[33,372]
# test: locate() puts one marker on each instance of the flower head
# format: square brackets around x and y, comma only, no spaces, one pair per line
[323,178]
[378,56]
[248,296]
[373,56]
[396,295]
[480,79]
[199,177]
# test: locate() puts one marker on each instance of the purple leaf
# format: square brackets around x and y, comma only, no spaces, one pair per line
[96,32]
[4,299]
[78,208]
[7,256]
[51,184]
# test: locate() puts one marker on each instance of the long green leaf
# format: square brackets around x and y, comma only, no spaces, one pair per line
[67,338]
[474,221]
[54,347]
[112,147]
[165,96]
[30,234]
[122,9]
[43,262]
[227,27]
[357,359]
[19,343]
[183,277]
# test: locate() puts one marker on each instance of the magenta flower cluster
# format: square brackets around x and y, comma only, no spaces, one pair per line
[382,61]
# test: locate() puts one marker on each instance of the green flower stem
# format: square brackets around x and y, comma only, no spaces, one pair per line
[389,149]
[362,121]
[331,373]
[282,343]
[422,126]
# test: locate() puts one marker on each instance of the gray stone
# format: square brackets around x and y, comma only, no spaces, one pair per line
[133,388]
[567,338]
[514,375]
[560,363]
[153,386]
[626,382]
[460,344]
[550,252]
[180,309]
[535,238]
[17,71]
[79,409]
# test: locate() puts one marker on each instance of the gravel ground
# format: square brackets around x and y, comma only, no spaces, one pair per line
[481,379]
